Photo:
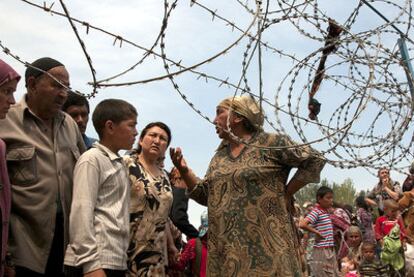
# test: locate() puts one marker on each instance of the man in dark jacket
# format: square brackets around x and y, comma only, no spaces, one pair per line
[179,207]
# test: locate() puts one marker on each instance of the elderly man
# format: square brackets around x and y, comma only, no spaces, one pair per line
[77,107]
[43,145]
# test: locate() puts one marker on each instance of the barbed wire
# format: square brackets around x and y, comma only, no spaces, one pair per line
[367,109]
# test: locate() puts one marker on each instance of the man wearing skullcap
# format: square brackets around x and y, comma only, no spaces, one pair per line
[8,83]
[43,145]
[246,190]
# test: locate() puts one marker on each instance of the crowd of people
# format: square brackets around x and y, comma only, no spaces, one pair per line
[72,205]
[373,237]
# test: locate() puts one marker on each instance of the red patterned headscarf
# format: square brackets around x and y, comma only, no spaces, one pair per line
[7,73]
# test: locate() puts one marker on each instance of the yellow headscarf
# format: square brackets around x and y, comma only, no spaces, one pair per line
[246,106]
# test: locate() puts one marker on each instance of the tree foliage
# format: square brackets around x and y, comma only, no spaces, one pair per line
[344,193]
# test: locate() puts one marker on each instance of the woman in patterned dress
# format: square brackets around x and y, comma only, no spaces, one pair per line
[151,199]
[246,191]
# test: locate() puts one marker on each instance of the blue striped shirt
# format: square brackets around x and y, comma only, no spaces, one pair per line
[320,220]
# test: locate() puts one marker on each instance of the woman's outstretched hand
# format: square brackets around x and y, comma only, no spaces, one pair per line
[178,159]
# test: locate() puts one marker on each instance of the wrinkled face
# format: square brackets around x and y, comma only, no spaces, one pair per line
[220,121]
[6,97]
[354,239]
[124,133]
[48,96]
[222,116]
[368,253]
[326,201]
[81,116]
[154,142]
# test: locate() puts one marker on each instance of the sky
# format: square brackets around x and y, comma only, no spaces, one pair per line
[195,34]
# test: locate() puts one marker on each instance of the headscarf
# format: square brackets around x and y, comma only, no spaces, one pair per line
[246,106]
[204,225]
[44,64]
[7,73]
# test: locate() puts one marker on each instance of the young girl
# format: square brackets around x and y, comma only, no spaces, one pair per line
[349,267]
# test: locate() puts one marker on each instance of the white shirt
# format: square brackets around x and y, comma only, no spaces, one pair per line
[99,219]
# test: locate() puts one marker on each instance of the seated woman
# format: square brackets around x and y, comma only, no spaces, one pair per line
[351,248]
[151,200]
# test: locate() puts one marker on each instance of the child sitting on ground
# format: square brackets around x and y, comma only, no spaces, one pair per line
[349,267]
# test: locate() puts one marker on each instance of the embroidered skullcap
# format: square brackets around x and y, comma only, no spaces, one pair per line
[44,64]
[246,106]
[7,73]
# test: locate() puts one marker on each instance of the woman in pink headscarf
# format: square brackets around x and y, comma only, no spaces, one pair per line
[8,83]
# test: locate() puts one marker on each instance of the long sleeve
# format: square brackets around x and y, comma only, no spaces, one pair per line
[179,214]
[81,230]
[200,193]
[308,161]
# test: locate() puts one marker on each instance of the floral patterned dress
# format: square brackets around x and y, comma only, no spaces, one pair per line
[151,200]
[250,229]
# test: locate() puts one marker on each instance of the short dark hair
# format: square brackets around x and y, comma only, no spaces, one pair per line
[361,203]
[368,244]
[322,191]
[75,99]
[115,110]
[149,126]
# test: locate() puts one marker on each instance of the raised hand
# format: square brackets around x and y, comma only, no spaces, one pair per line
[178,159]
